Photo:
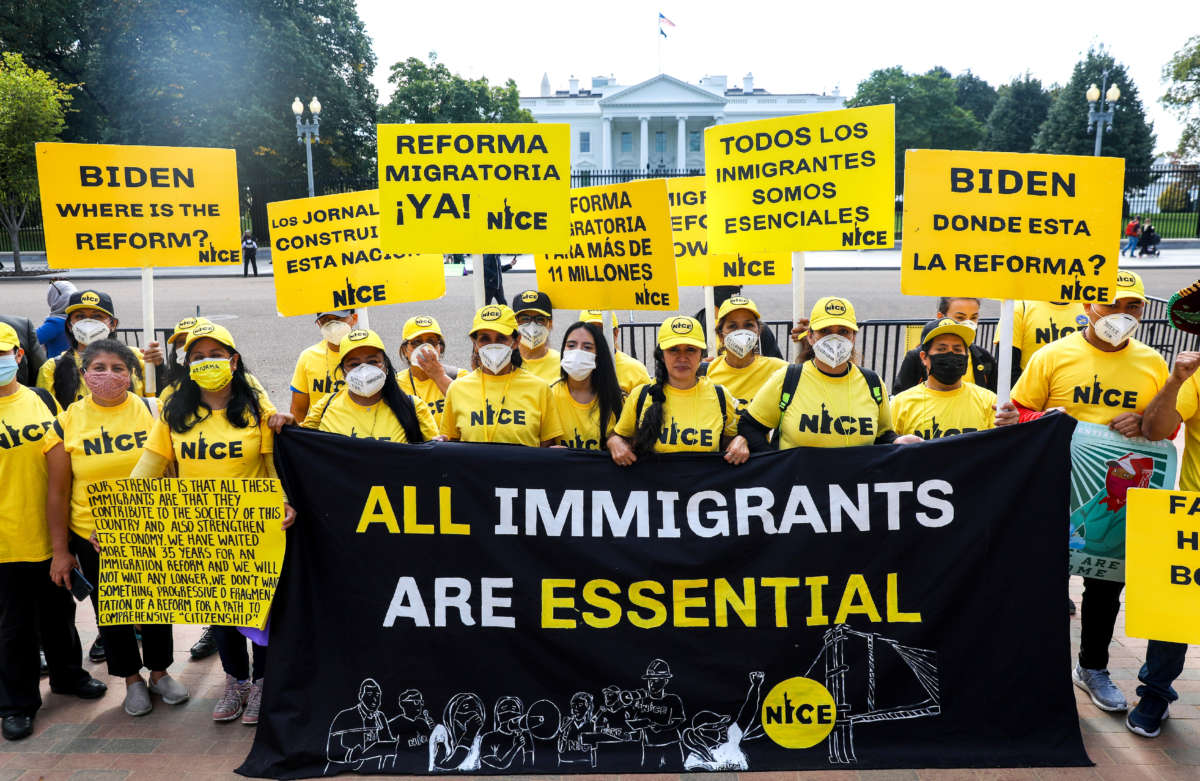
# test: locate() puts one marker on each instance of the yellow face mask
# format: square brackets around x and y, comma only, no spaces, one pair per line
[212,373]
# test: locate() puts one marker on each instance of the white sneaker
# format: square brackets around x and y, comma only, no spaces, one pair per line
[172,691]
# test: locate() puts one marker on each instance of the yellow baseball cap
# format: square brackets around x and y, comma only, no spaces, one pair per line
[596,316]
[209,331]
[419,326]
[360,337]
[681,330]
[1129,285]
[737,302]
[185,326]
[832,310]
[948,326]
[494,317]
[8,337]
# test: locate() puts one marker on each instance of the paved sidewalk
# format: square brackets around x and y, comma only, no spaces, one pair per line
[96,741]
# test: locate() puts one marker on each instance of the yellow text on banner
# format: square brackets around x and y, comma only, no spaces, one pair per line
[621,255]
[824,181]
[326,256]
[693,263]
[1009,225]
[188,551]
[106,205]
[474,187]
[1162,565]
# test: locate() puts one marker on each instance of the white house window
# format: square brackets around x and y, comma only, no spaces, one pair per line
[660,143]
[585,141]
[626,143]
[693,140]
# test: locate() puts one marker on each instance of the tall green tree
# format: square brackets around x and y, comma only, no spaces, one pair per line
[432,93]
[33,107]
[927,116]
[1183,96]
[1020,110]
[975,95]
[1065,130]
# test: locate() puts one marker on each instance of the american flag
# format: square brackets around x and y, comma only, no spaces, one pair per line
[663,21]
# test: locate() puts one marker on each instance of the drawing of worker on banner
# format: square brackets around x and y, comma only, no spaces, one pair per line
[714,742]
[660,716]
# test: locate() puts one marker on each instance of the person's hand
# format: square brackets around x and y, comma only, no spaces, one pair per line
[1186,364]
[440,438]
[799,329]
[153,353]
[1006,414]
[280,419]
[289,516]
[622,453]
[757,676]
[428,361]
[60,569]
[907,439]
[95,541]
[1127,424]
[738,451]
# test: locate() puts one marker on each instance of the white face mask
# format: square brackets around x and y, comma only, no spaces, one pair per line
[423,349]
[578,364]
[741,343]
[495,357]
[334,330]
[88,330]
[973,325]
[533,335]
[365,379]
[1115,329]
[833,350]
[181,356]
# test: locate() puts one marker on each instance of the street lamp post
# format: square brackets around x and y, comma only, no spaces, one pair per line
[308,132]
[1101,120]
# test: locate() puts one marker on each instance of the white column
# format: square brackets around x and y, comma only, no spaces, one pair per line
[644,150]
[681,143]
[606,142]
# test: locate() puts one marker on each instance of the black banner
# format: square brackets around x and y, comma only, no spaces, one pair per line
[493,609]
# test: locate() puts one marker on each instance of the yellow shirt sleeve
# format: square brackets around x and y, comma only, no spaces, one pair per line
[551,425]
[45,378]
[316,412]
[764,407]
[731,412]
[159,441]
[627,422]
[54,435]
[300,377]
[1033,388]
[1185,404]
[149,465]
[429,428]
[449,426]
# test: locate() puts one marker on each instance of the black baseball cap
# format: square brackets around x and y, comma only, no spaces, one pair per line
[91,299]
[534,300]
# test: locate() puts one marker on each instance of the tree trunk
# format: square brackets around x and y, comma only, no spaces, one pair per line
[15,236]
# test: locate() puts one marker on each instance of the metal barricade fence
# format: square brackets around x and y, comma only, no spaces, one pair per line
[133,336]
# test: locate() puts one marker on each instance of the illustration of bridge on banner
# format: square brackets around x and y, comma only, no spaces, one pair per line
[921,662]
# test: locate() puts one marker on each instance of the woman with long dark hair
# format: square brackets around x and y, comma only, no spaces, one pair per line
[371,405]
[588,396]
[678,412]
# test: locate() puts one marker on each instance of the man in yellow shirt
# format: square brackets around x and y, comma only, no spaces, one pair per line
[535,319]
[630,371]
[1099,374]
[1037,324]
[945,404]
[314,375]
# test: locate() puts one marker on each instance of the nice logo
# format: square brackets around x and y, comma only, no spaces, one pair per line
[798,713]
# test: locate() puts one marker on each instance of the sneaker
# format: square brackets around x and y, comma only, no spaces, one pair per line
[172,691]
[1100,688]
[206,646]
[229,707]
[1147,717]
[253,703]
[97,652]
[137,699]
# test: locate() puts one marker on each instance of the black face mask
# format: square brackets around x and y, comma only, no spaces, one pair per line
[947,368]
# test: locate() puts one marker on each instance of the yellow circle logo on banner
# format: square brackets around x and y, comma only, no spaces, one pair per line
[798,713]
[681,325]
[836,307]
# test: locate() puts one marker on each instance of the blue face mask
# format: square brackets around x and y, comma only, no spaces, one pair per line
[8,368]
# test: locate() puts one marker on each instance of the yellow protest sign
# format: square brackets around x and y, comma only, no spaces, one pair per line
[621,255]
[693,263]
[474,187]
[188,551]
[326,255]
[107,206]
[1162,565]
[822,181]
[1008,225]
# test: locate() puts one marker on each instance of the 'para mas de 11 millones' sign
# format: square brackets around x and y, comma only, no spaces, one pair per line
[1007,225]
[326,256]
[474,187]
[106,205]
[1162,565]
[620,256]
[693,263]
[822,181]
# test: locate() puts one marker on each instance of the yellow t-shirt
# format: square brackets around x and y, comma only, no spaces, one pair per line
[744,383]
[825,411]
[630,372]
[315,370]
[214,447]
[24,421]
[692,420]
[340,414]
[513,408]
[427,390]
[104,443]
[45,378]
[1038,323]
[580,422]
[251,380]
[1090,384]
[1188,404]
[546,367]
[933,414]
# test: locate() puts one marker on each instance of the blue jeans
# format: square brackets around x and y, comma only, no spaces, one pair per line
[1130,245]
[1164,663]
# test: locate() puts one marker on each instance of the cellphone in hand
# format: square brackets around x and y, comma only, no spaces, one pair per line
[80,588]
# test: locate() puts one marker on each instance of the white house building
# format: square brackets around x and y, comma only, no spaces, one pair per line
[659,123]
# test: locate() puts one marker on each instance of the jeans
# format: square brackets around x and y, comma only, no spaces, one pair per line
[1097,617]
[1164,663]
[231,647]
[1131,243]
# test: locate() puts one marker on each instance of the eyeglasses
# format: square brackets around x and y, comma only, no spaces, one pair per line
[539,319]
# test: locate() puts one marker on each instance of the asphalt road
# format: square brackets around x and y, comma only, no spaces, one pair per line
[270,344]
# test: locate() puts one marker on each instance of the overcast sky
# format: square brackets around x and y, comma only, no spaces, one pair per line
[789,46]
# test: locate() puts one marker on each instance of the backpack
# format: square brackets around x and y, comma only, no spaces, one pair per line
[791,379]
[641,402]
[46,398]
